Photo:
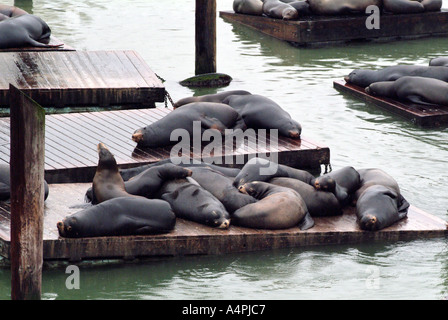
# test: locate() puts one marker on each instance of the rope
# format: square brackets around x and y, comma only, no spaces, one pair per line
[167,95]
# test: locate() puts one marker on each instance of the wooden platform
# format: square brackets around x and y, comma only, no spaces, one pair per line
[422,115]
[190,238]
[80,78]
[324,30]
[71,140]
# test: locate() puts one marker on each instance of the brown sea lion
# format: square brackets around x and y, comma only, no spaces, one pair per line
[252,7]
[277,208]
[107,182]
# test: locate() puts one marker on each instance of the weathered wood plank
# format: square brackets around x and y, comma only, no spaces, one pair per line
[80,78]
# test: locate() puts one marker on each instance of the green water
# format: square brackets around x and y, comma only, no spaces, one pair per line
[301,81]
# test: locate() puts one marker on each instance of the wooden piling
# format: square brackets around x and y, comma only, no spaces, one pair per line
[27,195]
[205,36]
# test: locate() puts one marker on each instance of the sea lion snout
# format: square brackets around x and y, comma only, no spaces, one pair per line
[294,134]
[137,136]
[224,225]
[369,222]
[347,79]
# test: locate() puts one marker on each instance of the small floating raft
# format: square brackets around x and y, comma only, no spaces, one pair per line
[328,30]
[71,144]
[60,79]
[190,238]
[421,115]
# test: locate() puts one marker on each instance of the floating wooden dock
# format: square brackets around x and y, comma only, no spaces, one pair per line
[421,115]
[71,140]
[60,79]
[327,30]
[190,238]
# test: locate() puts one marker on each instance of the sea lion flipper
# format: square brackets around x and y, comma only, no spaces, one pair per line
[418,100]
[212,123]
[35,43]
[403,206]
[307,222]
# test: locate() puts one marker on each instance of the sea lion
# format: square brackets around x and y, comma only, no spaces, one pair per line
[211,115]
[403,6]
[259,112]
[319,203]
[277,208]
[252,7]
[192,202]
[379,207]
[375,176]
[23,31]
[118,217]
[363,78]
[5,183]
[259,169]
[216,97]
[432,5]
[418,90]
[439,61]
[107,182]
[338,7]
[302,6]
[342,183]
[184,162]
[279,10]
[221,187]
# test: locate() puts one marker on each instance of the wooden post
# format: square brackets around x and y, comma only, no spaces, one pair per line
[27,195]
[205,36]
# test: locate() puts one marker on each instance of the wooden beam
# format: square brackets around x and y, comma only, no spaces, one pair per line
[27,195]
[205,36]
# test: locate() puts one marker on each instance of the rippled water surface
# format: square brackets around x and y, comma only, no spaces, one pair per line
[301,81]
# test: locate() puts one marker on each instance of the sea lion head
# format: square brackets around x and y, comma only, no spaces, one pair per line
[325,183]
[290,13]
[360,77]
[68,228]
[106,158]
[138,135]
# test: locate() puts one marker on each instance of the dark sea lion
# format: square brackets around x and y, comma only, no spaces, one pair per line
[107,182]
[364,78]
[277,208]
[342,183]
[319,203]
[24,31]
[212,115]
[119,217]
[412,89]
[216,97]
[5,183]
[302,6]
[279,10]
[221,187]
[432,5]
[148,183]
[259,112]
[182,162]
[259,169]
[375,176]
[192,202]
[403,6]
[439,61]
[338,7]
[379,207]
[252,7]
